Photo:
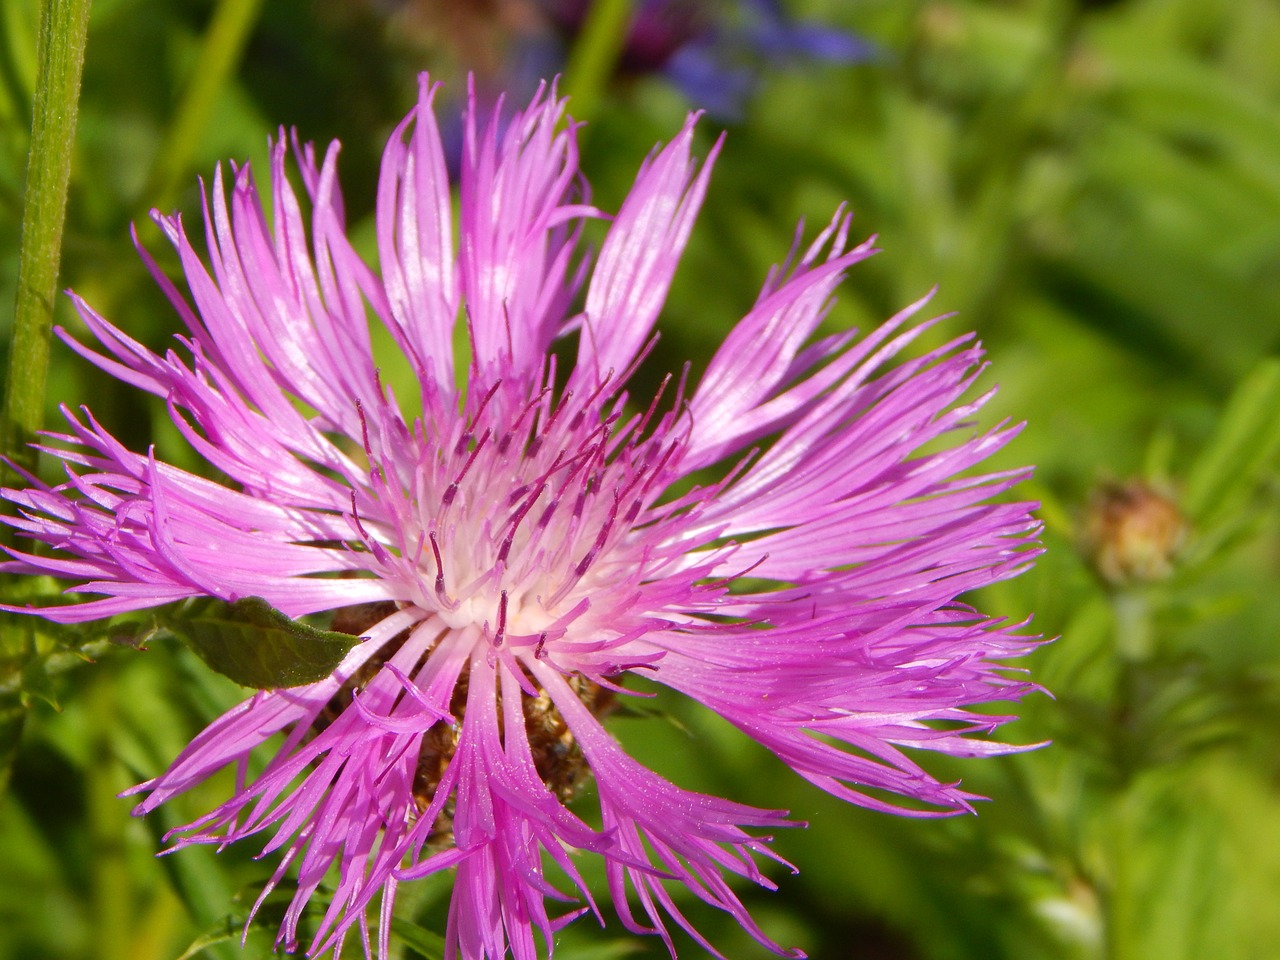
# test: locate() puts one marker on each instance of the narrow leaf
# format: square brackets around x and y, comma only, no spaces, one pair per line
[255,644]
[222,933]
[1244,447]
[238,925]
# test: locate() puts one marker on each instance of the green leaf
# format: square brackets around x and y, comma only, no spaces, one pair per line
[221,933]
[595,55]
[238,924]
[223,938]
[255,644]
[230,928]
[1243,449]
[37,683]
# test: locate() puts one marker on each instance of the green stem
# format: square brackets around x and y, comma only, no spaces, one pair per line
[59,62]
[232,22]
[60,58]
[1135,640]
[594,56]
[112,887]
[1134,644]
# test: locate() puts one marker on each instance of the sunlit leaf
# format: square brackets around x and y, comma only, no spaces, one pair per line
[235,927]
[223,932]
[255,644]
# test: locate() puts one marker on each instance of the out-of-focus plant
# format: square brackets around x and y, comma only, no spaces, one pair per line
[715,52]
[1094,186]
[1135,836]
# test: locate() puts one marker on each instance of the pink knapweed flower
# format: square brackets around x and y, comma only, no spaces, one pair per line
[785,541]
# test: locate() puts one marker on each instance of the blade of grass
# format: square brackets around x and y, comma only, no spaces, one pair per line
[224,41]
[594,56]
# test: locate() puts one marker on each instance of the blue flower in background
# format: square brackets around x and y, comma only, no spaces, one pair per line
[714,52]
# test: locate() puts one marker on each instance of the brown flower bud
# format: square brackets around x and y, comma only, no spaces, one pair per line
[1133,532]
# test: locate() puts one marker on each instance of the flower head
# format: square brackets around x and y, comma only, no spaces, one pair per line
[785,541]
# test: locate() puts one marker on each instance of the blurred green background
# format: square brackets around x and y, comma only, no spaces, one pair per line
[1095,189]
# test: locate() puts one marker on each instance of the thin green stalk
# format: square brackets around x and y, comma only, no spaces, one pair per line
[60,60]
[1135,639]
[1134,645]
[229,30]
[111,883]
[595,54]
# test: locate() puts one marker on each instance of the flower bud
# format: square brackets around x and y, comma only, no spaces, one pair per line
[1133,532]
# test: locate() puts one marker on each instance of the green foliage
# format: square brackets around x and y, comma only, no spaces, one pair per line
[1094,187]
[1241,457]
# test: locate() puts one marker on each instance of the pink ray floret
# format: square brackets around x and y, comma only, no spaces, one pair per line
[786,541]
